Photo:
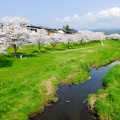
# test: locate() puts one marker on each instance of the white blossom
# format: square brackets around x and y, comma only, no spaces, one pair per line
[114,36]
[55,38]
[15,31]
[38,37]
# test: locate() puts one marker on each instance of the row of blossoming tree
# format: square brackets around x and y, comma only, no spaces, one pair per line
[14,32]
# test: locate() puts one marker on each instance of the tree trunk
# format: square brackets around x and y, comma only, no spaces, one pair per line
[39,47]
[15,49]
[68,44]
[53,45]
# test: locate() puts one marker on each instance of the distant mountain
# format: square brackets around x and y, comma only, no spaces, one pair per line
[107,31]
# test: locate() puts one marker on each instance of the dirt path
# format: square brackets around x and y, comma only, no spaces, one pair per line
[78,49]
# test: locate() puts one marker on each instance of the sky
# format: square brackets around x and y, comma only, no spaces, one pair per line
[78,14]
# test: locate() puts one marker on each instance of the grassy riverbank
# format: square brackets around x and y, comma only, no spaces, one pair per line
[106,103]
[29,84]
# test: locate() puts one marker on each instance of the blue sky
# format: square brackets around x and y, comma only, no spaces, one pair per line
[79,14]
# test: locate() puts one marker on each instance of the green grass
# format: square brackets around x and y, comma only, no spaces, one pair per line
[22,81]
[107,104]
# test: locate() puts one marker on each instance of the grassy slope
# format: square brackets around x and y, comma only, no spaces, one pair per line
[24,83]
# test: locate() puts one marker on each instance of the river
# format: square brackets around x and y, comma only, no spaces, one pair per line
[71,103]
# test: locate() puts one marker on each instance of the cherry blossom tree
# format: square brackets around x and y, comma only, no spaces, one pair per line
[69,38]
[15,31]
[114,36]
[81,36]
[55,38]
[86,36]
[3,45]
[38,37]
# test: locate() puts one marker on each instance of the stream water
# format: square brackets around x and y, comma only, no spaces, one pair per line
[71,103]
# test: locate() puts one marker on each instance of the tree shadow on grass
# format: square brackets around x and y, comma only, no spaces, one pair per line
[5,62]
[25,55]
[39,52]
[48,48]
[35,51]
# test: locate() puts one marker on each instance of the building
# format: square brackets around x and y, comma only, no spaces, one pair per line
[36,28]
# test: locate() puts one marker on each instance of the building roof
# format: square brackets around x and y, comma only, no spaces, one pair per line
[41,27]
[73,31]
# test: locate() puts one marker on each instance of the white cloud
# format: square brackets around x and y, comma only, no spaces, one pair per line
[110,13]
[68,18]
[107,18]
[89,16]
